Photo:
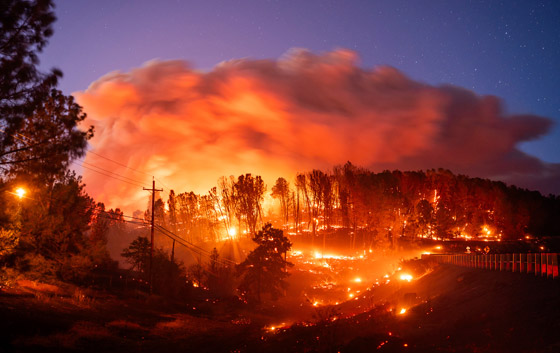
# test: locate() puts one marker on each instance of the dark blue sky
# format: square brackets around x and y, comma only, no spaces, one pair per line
[510,49]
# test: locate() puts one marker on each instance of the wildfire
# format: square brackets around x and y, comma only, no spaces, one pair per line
[20,192]
[319,255]
[232,232]
[406,277]
[275,328]
[403,310]
[358,280]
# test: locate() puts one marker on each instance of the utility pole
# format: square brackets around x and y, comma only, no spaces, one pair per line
[153,190]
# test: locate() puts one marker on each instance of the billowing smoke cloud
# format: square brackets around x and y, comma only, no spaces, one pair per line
[302,111]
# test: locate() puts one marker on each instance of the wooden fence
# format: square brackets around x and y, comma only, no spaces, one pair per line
[539,264]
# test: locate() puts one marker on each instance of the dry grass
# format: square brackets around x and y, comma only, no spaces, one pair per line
[81,298]
[70,339]
[183,325]
[124,324]
[49,289]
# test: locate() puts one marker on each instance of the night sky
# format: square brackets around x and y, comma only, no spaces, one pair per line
[510,49]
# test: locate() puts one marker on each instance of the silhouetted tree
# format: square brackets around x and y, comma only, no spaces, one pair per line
[425,217]
[228,200]
[265,268]
[303,190]
[249,194]
[281,191]
[25,27]
[102,221]
[188,213]
[138,254]
[50,142]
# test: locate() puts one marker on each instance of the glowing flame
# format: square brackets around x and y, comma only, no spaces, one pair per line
[232,232]
[406,277]
[403,310]
[276,327]
[358,280]
[20,192]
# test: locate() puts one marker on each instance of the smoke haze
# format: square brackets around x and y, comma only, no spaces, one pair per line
[303,111]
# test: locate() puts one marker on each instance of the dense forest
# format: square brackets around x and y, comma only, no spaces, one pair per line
[365,208]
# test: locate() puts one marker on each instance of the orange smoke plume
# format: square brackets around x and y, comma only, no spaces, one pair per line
[302,111]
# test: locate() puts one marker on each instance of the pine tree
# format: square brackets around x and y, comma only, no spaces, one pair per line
[265,269]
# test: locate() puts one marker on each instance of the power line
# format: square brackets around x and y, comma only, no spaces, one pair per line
[26,139]
[124,165]
[186,243]
[108,215]
[162,183]
[133,169]
[118,163]
[108,171]
[110,176]
[17,138]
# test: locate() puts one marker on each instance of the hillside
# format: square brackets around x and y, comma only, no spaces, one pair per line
[455,310]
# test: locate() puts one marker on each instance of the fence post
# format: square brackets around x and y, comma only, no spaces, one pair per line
[543,265]
[549,266]
[554,264]
[515,267]
[530,260]
[523,263]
